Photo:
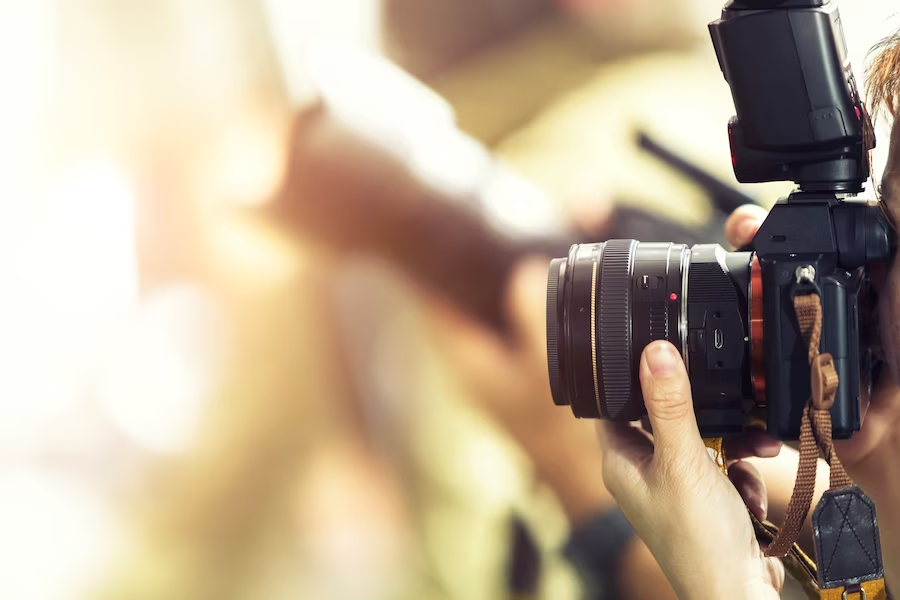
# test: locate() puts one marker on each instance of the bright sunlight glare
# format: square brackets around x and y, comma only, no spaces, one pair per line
[67,288]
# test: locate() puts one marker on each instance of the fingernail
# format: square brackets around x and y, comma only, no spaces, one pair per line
[759,505]
[769,449]
[662,359]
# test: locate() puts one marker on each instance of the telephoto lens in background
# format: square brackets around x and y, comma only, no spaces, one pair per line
[607,301]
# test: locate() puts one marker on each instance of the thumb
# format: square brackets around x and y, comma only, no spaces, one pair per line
[670,408]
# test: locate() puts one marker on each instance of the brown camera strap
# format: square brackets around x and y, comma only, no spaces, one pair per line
[815,436]
[782,543]
[815,427]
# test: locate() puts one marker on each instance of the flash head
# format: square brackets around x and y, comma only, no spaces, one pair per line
[799,114]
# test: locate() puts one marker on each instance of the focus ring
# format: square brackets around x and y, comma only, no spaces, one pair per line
[615,330]
[553,323]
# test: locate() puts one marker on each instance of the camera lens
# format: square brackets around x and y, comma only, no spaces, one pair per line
[607,301]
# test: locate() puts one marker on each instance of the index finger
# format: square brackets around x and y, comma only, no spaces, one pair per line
[743,224]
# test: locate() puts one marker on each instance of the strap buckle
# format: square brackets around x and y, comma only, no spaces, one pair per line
[861,591]
[805,282]
[806,274]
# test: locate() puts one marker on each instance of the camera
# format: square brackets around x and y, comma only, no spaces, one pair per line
[799,118]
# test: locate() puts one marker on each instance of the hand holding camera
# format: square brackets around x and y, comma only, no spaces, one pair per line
[685,510]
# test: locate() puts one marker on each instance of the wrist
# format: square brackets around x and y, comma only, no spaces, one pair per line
[712,570]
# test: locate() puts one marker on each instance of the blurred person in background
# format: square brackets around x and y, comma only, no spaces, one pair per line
[252,438]
[545,440]
[451,250]
[184,445]
[526,422]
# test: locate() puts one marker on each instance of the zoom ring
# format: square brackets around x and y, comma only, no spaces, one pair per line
[615,330]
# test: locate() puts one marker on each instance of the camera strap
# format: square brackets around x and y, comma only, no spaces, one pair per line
[845,525]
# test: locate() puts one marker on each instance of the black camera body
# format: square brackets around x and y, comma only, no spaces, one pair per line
[836,240]
[731,315]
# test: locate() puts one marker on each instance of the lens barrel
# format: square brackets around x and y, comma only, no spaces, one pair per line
[607,301]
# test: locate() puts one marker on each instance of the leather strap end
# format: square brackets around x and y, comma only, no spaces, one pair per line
[870,590]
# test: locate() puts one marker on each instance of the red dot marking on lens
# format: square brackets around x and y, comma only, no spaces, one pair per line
[673,296]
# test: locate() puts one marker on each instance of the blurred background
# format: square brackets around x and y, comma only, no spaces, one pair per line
[258,260]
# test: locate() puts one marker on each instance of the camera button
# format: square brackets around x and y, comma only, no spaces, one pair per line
[697,340]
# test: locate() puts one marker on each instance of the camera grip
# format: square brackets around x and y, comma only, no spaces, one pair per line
[787,358]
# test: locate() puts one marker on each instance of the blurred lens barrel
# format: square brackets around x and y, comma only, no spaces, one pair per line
[607,301]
